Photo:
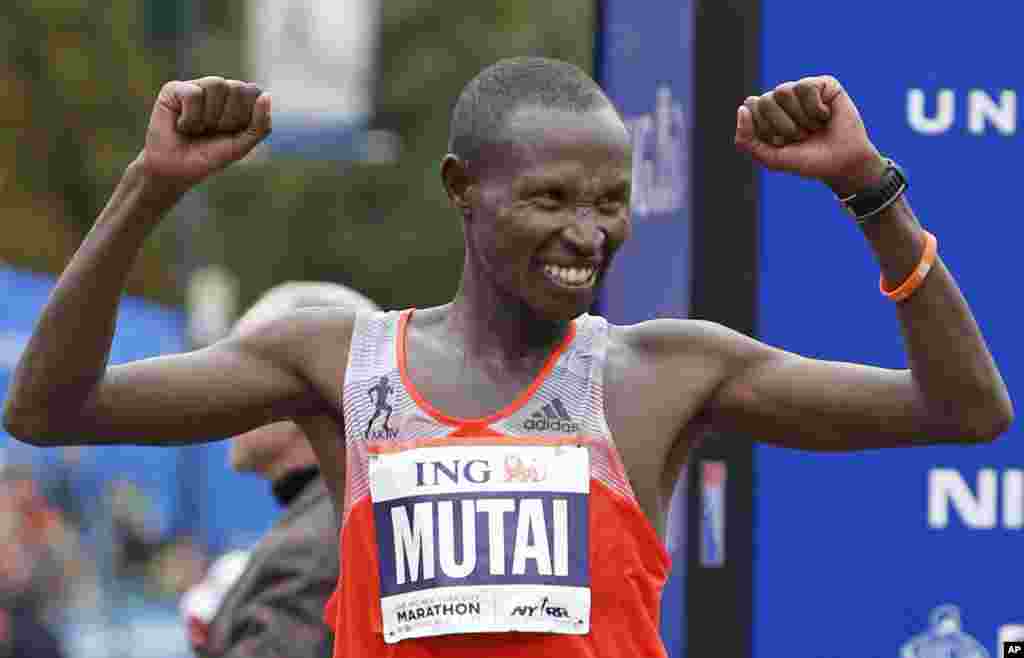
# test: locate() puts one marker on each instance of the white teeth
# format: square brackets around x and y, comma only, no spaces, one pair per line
[571,276]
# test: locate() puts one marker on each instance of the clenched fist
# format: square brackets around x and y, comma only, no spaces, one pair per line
[201,126]
[811,128]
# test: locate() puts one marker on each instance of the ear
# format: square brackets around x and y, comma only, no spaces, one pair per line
[457,182]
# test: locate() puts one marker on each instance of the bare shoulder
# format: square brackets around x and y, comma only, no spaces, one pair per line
[673,338]
[299,335]
[693,356]
[312,342]
[658,380]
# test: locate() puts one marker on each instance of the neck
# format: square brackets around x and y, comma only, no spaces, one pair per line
[496,325]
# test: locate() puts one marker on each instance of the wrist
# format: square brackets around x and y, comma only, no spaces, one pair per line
[866,172]
[151,189]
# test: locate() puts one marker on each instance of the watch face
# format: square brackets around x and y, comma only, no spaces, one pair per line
[873,200]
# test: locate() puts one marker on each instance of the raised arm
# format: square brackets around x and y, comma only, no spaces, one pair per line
[953,390]
[62,391]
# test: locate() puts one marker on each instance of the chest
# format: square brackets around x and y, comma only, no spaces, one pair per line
[461,388]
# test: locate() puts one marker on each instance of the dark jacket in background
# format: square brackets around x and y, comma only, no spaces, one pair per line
[276,608]
[22,635]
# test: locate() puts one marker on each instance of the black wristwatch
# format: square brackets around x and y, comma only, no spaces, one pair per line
[871,201]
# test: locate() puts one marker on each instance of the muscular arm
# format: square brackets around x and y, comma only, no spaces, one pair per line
[62,391]
[952,392]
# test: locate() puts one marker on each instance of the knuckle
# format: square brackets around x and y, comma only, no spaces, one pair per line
[785,88]
[219,89]
[232,91]
[191,91]
[784,94]
[252,90]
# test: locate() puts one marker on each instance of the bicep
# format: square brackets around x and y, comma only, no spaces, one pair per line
[203,395]
[788,400]
[738,384]
[266,374]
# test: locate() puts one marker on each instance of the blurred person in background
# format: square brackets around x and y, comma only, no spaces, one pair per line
[135,538]
[523,377]
[275,606]
[32,566]
[22,636]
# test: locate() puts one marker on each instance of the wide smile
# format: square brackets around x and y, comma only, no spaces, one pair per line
[572,278]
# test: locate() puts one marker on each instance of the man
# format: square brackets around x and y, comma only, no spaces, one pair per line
[460,524]
[32,566]
[276,606]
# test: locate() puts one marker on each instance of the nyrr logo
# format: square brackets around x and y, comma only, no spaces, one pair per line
[935,113]
[552,417]
[979,508]
[543,609]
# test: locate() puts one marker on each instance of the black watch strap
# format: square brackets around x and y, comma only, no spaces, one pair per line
[870,202]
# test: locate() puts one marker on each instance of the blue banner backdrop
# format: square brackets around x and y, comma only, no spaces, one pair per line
[192,489]
[144,330]
[912,552]
[645,65]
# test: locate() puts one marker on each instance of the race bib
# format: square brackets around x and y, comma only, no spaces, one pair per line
[475,539]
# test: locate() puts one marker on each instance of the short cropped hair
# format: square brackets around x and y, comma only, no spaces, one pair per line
[499,90]
[303,294]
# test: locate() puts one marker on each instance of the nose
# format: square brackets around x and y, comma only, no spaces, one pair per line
[585,235]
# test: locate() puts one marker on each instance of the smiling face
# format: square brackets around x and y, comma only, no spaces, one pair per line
[547,206]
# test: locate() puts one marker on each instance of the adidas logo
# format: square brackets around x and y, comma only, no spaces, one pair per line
[552,417]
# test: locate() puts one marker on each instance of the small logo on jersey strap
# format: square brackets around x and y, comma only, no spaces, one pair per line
[552,417]
[543,609]
[379,394]
[517,470]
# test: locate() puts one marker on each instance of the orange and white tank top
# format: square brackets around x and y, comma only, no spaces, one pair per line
[516,534]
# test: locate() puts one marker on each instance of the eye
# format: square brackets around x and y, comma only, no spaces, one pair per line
[611,206]
[549,199]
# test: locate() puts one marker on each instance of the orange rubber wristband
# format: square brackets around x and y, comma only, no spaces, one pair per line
[916,278]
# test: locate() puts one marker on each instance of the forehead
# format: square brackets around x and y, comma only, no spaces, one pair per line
[550,143]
